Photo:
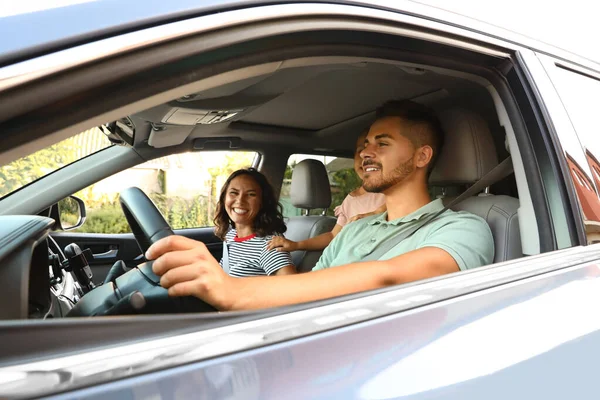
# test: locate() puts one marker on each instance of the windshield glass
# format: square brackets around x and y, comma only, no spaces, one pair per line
[41,163]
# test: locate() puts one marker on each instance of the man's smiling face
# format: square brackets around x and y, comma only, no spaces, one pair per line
[388,156]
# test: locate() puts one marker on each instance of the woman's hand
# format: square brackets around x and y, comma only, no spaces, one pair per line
[187,268]
[280,243]
[360,216]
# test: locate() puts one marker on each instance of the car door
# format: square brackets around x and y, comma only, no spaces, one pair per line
[185,187]
[461,336]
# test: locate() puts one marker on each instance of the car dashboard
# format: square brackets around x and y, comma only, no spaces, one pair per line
[30,290]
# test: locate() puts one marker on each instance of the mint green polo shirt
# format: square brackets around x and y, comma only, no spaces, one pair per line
[465,236]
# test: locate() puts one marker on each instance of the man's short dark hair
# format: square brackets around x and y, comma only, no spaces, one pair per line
[424,127]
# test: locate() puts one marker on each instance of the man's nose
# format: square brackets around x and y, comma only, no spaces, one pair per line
[366,152]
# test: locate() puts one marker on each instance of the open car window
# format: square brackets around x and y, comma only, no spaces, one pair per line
[34,166]
[184,202]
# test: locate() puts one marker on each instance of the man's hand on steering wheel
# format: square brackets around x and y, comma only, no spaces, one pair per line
[187,268]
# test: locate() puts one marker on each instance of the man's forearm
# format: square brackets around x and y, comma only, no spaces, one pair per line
[274,291]
[316,243]
[263,292]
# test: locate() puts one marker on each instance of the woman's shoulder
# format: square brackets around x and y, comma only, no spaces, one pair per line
[268,237]
[230,234]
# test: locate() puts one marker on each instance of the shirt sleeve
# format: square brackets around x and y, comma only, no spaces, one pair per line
[341,212]
[467,238]
[329,252]
[272,261]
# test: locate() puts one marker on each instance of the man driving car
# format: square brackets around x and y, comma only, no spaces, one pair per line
[400,151]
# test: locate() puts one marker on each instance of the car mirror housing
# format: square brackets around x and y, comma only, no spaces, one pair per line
[69,213]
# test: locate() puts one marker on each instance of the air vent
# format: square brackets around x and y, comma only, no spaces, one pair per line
[188,116]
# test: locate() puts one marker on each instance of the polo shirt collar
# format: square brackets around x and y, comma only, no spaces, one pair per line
[429,208]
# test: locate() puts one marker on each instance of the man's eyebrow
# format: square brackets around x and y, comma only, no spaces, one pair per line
[380,136]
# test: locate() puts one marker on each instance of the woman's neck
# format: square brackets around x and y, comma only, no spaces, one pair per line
[244,230]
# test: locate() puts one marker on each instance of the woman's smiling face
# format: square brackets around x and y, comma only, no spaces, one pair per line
[243,201]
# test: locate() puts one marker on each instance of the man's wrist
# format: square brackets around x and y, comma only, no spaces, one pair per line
[232,294]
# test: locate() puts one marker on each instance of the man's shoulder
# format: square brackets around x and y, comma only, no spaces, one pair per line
[463,219]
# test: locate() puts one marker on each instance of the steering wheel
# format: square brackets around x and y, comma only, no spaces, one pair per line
[138,291]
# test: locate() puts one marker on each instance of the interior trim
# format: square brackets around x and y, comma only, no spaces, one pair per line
[530,236]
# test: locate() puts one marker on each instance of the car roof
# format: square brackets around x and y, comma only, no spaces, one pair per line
[18,41]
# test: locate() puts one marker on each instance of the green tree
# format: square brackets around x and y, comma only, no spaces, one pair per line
[27,169]
[344,181]
[289,169]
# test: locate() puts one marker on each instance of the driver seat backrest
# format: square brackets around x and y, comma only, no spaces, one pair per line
[468,154]
[310,190]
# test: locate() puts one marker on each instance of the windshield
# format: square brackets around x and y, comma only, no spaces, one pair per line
[41,163]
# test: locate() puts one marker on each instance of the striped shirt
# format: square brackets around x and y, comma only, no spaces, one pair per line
[248,256]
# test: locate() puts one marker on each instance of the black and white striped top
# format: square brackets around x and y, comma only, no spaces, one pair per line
[248,256]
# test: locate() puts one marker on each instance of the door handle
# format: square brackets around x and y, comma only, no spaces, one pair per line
[112,253]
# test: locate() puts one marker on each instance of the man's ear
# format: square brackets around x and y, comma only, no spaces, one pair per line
[424,156]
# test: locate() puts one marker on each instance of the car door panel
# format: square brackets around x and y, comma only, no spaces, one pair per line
[106,248]
[109,248]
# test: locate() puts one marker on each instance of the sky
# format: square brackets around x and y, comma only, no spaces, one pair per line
[571,25]
[12,7]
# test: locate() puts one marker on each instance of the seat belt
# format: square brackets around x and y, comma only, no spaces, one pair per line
[501,171]
[225,257]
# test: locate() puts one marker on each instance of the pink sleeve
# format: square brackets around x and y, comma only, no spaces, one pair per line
[341,212]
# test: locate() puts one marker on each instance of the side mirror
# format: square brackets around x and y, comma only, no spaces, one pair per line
[69,213]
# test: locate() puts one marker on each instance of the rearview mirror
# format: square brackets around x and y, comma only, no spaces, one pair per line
[69,213]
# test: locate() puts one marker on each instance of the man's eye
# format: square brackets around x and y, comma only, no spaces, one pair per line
[380,144]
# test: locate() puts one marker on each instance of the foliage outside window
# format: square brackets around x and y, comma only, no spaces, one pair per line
[184,187]
[41,163]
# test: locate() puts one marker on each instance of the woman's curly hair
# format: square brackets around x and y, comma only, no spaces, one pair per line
[269,220]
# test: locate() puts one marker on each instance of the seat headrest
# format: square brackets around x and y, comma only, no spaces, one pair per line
[468,153]
[310,185]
